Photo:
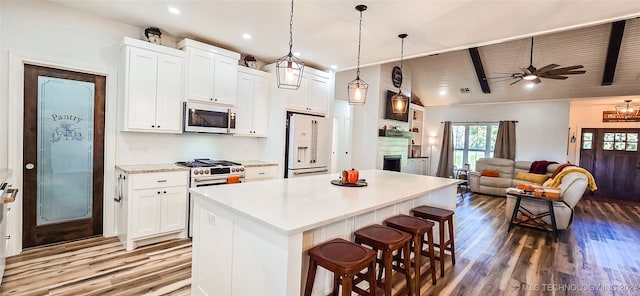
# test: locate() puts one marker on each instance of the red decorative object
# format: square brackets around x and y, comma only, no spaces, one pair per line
[352,176]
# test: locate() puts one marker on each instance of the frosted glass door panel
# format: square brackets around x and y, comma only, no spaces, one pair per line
[65,150]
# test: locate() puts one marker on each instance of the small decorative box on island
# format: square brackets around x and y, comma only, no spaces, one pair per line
[350,178]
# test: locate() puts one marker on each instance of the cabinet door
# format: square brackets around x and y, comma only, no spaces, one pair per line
[145,212]
[201,75]
[169,97]
[317,94]
[141,92]
[174,209]
[226,81]
[261,106]
[245,106]
[297,99]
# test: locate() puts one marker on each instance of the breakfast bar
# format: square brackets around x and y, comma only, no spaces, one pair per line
[252,238]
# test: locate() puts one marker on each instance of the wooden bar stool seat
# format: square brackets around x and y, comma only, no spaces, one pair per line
[441,216]
[387,240]
[417,228]
[345,259]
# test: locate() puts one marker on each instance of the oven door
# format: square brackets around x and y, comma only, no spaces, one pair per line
[201,118]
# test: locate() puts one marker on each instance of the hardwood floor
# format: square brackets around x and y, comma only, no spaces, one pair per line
[598,255]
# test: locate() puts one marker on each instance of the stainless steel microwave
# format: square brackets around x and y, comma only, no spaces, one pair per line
[202,118]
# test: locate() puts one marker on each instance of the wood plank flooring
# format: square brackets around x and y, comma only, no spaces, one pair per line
[598,255]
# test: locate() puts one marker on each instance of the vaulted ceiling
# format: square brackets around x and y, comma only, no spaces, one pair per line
[437,79]
[325,31]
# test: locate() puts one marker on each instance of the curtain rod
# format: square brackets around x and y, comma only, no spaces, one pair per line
[467,122]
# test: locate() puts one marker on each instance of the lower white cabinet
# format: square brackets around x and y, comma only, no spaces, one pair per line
[416,166]
[152,207]
[260,173]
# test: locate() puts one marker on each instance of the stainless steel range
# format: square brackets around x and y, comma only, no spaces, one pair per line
[207,172]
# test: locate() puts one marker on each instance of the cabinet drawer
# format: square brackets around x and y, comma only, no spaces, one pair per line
[261,172]
[162,179]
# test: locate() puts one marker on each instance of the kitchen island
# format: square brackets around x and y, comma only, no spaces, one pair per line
[251,238]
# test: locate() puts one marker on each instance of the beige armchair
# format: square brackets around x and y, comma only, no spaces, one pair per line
[572,188]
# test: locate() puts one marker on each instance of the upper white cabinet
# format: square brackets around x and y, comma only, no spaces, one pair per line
[153,87]
[212,73]
[252,110]
[314,92]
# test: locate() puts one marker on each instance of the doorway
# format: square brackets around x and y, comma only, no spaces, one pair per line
[611,155]
[341,136]
[63,153]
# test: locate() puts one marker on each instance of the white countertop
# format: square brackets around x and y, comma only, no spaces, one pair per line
[299,204]
[256,163]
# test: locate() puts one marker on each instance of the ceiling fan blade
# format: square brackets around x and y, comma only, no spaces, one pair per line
[536,81]
[554,77]
[548,67]
[512,83]
[499,77]
[570,68]
[567,72]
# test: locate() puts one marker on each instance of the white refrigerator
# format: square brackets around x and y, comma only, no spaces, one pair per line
[308,145]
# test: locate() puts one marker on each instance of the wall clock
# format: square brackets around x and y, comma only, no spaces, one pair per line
[396,76]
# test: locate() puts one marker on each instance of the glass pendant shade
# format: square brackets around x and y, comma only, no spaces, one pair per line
[289,68]
[357,91]
[399,102]
[289,72]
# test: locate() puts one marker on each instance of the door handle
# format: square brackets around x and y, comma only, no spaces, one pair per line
[29,166]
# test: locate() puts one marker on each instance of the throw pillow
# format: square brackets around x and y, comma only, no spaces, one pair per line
[533,178]
[490,173]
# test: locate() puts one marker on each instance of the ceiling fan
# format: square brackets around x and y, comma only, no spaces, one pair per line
[550,71]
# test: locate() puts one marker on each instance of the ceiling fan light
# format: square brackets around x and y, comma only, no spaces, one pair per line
[530,77]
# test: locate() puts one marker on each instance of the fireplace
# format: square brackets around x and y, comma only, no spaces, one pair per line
[391,163]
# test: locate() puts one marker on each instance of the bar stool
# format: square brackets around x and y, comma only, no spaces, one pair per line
[345,259]
[387,240]
[417,228]
[441,216]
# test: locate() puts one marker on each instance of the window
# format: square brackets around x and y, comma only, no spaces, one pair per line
[472,141]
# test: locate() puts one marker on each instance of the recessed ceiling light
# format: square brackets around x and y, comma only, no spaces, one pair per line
[174,10]
[246,36]
[297,53]
[334,67]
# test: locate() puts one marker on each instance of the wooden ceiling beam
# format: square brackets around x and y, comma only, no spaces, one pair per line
[477,64]
[615,40]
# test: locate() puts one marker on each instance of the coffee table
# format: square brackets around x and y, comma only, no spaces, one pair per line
[529,219]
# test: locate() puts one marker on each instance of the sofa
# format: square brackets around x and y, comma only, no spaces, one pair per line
[507,169]
[572,187]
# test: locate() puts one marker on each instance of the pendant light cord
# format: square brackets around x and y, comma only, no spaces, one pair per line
[359,41]
[291,29]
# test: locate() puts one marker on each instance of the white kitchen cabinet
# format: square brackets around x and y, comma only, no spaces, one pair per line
[212,73]
[252,110]
[416,166]
[153,87]
[260,173]
[314,92]
[152,207]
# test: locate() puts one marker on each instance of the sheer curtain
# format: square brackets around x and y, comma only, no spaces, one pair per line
[445,166]
[506,140]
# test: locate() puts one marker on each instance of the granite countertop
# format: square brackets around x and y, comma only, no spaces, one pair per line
[256,163]
[151,168]
[299,204]
[4,175]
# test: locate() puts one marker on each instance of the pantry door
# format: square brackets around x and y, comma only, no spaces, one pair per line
[63,143]
[612,156]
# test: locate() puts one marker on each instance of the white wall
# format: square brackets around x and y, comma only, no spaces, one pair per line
[541,131]
[587,114]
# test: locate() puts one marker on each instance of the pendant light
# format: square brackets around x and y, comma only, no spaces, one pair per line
[357,89]
[289,68]
[399,101]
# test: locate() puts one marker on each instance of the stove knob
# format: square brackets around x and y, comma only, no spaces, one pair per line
[195,172]
[241,169]
[206,171]
[201,172]
[234,170]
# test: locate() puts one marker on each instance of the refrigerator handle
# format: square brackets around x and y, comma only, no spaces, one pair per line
[314,141]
